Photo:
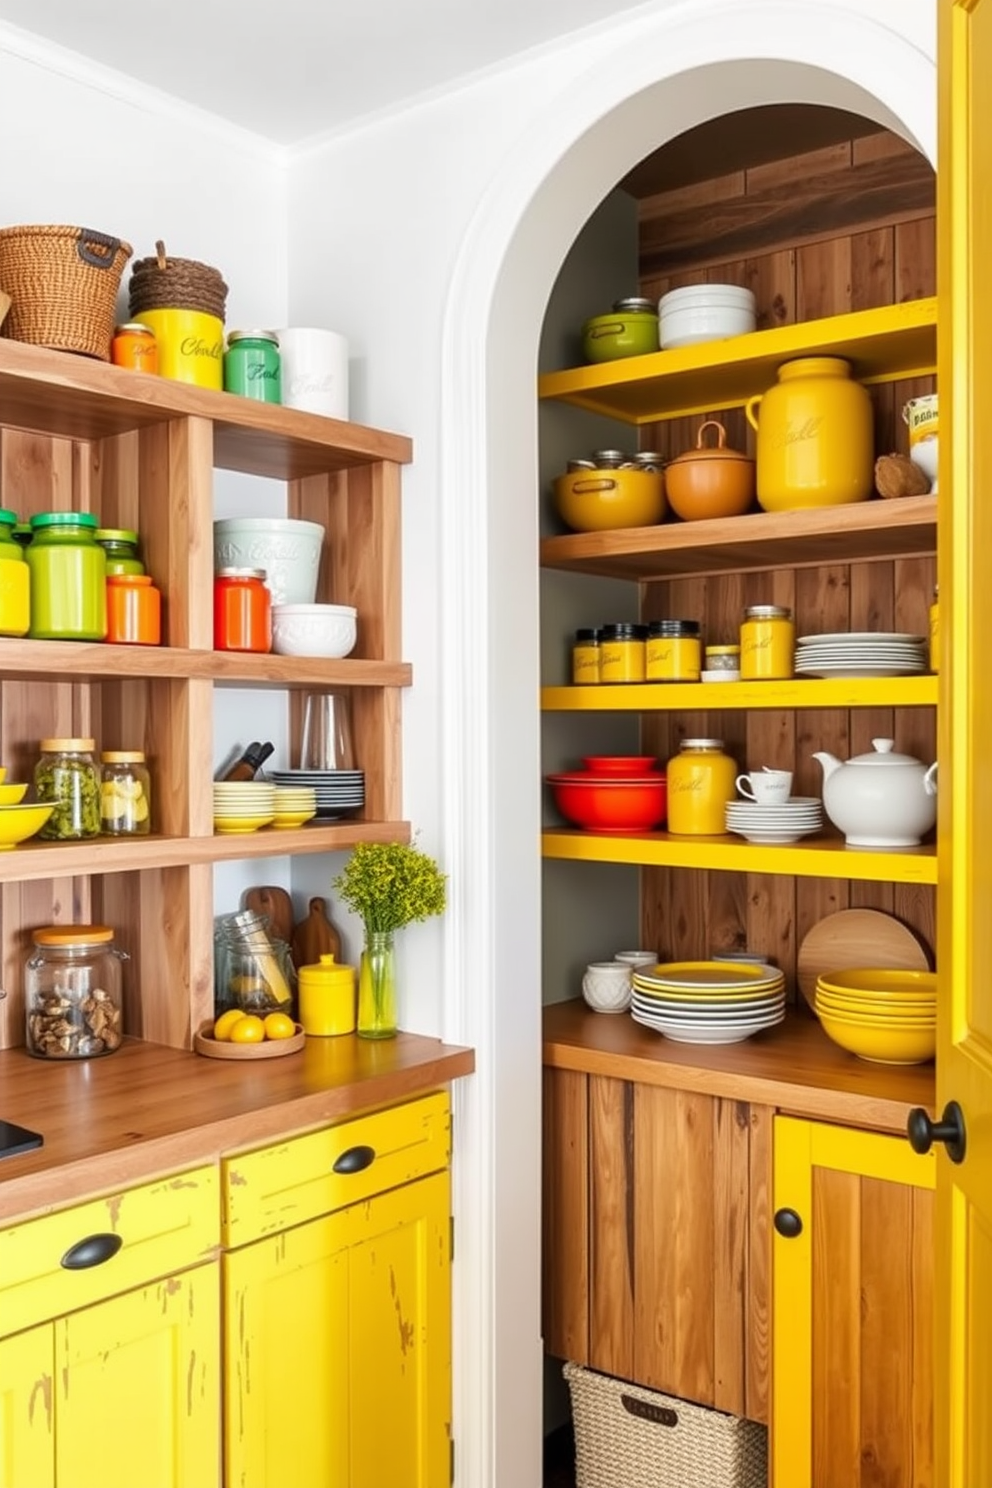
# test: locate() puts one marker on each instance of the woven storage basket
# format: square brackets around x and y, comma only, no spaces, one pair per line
[628,1437]
[63,284]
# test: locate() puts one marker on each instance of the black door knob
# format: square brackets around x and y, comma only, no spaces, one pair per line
[923,1132]
[788,1223]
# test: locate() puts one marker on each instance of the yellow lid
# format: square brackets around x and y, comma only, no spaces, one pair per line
[327,969]
[63,935]
[67,746]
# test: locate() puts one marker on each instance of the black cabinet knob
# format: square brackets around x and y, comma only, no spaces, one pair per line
[923,1132]
[788,1224]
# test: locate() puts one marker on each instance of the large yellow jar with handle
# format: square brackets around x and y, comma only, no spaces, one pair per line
[701,780]
[815,437]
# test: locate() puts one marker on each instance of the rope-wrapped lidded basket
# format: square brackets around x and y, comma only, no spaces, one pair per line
[163,283]
[63,283]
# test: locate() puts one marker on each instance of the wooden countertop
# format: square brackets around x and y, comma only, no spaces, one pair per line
[147,1109]
[794,1068]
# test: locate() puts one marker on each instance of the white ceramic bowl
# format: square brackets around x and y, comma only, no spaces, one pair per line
[704,312]
[314,629]
[288,549]
[606,986]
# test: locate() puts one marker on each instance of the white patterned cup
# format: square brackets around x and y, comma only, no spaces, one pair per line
[606,986]
[766,787]
[314,366]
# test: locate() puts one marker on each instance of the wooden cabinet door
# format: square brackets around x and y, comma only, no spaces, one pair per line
[662,1198]
[137,1397]
[852,1310]
[338,1348]
[27,1418]
[964,932]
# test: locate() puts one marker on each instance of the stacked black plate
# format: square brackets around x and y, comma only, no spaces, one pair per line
[338,792]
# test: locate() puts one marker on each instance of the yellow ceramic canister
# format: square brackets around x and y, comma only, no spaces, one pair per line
[190,345]
[327,998]
[701,781]
[621,652]
[815,437]
[585,658]
[768,643]
[673,651]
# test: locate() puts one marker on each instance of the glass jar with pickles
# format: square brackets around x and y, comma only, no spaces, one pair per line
[67,777]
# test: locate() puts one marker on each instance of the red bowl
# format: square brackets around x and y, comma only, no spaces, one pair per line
[620,764]
[602,805]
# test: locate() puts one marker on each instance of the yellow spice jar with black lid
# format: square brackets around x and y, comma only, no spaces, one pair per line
[622,652]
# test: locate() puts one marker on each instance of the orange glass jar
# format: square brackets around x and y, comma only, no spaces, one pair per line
[242,610]
[134,346]
[134,610]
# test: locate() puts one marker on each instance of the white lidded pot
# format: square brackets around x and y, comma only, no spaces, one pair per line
[882,799]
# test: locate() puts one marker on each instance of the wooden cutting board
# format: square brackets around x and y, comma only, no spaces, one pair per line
[276,905]
[315,936]
[856,938]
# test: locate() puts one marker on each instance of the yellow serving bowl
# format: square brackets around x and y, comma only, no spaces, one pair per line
[12,795]
[231,824]
[881,1043]
[876,1012]
[18,823]
[880,983]
[285,819]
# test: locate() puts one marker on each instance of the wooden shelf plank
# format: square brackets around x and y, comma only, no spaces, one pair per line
[660,697]
[75,661]
[862,532]
[819,857]
[39,860]
[52,392]
[891,341]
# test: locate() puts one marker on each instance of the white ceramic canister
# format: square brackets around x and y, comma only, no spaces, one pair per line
[314,370]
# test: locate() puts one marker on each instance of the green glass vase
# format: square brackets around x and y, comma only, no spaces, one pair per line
[377,987]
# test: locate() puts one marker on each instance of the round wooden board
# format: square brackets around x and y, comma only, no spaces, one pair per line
[855,938]
[213,1048]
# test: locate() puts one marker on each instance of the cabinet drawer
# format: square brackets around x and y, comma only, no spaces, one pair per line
[136,1235]
[278,1186]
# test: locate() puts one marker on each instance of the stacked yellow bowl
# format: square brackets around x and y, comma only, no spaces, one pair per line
[294,805]
[243,805]
[888,1017]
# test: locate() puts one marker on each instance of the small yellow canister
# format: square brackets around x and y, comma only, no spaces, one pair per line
[768,643]
[327,998]
[190,345]
[672,651]
[621,652]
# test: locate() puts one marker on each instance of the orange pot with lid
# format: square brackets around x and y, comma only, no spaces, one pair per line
[710,481]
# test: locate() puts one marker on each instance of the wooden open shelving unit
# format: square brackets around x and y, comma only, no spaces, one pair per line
[141,452]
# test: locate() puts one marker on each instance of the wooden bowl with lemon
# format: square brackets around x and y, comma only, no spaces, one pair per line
[237,1034]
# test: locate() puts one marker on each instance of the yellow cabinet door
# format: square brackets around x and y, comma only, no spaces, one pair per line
[27,1421]
[964,927]
[852,1309]
[338,1348]
[137,1398]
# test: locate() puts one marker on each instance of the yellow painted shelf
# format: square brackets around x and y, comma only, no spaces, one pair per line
[882,344]
[835,692]
[818,857]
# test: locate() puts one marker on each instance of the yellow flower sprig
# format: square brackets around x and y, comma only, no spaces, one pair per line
[391,884]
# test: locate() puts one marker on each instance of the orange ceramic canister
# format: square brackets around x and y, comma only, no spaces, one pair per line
[190,345]
[134,610]
[701,781]
[815,439]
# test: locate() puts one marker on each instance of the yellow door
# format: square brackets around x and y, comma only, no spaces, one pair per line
[338,1348]
[137,1398]
[27,1419]
[964,936]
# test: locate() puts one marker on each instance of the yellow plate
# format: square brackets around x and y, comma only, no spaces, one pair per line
[12,795]
[18,823]
[230,824]
[709,996]
[286,819]
[878,982]
[686,975]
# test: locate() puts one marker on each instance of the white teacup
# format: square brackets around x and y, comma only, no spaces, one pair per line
[606,986]
[633,959]
[766,787]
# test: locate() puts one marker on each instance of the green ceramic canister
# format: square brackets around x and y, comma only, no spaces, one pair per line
[252,367]
[121,547]
[68,578]
[15,581]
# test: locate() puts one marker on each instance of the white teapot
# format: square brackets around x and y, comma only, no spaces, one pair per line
[881,799]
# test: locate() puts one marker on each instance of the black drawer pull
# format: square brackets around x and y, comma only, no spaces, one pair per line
[661,1415]
[355,1160]
[92,1251]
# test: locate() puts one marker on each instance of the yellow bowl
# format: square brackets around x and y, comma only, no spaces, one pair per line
[879,983]
[12,795]
[881,1043]
[18,823]
[285,819]
[876,1017]
[228,824]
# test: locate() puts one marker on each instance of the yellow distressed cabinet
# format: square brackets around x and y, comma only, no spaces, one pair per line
[337,1305]
[853,1374]
[110,1341]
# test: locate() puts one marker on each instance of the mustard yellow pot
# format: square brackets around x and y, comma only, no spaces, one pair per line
[815,445]
[190,345]
[601,499]
[701,781]
[327,998]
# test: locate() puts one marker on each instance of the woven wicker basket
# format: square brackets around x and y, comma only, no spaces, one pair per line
[63,284]
[628,1437]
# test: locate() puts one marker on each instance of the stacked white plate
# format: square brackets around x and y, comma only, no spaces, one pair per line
[707,1002]
[861,654]
[782,821]
[336,793]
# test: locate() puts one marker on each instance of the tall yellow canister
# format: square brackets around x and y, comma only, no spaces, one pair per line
[190,345]
[327,998]
[815,437]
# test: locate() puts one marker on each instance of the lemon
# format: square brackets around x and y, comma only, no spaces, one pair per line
[247,1030]
[279,1026]
[226,1021]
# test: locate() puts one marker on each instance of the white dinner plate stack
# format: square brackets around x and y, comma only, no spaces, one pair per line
[873,653]
[780,821]
[707,1002]
[337,793]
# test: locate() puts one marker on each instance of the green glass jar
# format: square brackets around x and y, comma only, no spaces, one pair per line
[121,547]
[252,366]
[15,581]
[68,578]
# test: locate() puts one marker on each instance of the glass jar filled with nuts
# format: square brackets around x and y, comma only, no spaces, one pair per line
[72,992]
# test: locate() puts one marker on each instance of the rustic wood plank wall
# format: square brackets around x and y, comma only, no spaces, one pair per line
[859,250]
